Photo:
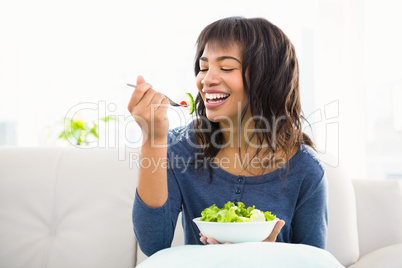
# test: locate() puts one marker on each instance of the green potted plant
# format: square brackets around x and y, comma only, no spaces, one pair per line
[80,131]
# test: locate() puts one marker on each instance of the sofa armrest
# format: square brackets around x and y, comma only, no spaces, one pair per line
[389,257]
[379,217]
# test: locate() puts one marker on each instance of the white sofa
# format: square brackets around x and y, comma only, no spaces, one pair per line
[70,207]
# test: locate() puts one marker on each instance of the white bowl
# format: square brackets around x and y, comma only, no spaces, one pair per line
[236,232]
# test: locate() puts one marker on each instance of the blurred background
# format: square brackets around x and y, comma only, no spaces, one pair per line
[72,59]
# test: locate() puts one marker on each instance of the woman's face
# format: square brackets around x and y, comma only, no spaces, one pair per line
[220,83]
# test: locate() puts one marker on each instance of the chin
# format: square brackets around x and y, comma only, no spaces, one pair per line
[212,118]
[217,118]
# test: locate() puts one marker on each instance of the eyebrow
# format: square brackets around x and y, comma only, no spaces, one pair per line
[221,58]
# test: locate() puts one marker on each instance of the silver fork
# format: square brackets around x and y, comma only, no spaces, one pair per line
[170,101]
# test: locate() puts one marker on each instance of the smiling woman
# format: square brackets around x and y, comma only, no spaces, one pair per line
[244,146]
[255,63]
[220,82]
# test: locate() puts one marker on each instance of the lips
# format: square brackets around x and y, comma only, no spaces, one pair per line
[215,100]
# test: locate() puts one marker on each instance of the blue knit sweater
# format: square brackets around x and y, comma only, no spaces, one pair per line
[300,199]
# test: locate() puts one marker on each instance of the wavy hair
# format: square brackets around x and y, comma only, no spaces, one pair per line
[270,75]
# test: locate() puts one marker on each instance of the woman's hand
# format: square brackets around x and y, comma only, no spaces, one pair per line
[271,238]
[277,228]
[149,109]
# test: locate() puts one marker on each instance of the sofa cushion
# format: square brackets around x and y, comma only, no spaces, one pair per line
[389,257]
[66,208]
[251,254]
[379,215]
[342,222]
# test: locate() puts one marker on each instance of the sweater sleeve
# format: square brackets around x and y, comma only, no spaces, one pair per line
[154,227]
[310,221]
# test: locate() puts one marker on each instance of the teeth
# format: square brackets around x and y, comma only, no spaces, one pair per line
[215,95]
[215,101]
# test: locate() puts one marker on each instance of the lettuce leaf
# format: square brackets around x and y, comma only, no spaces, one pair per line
[232,213]
[269,216]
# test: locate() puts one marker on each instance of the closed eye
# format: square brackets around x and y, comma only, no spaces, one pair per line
[225,70]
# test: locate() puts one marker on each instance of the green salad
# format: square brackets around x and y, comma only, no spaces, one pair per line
[232,213]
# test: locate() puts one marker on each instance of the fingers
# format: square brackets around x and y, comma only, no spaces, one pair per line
[207,241]
[139,94]
[210,241]
[144,96]
[203,239]
[160,102]
[140,80]
[274,234]
[149,109]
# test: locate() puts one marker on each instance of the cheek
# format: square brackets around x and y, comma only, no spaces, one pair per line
[236,83]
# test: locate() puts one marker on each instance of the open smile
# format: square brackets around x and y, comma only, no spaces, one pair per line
[213,100]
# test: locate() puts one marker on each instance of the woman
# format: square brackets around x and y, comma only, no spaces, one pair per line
[246,143]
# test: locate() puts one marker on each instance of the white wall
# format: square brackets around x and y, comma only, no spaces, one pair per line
[339,84]
[383,84]
[56,54]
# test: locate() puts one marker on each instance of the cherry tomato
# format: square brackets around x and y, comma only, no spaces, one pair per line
[183,103]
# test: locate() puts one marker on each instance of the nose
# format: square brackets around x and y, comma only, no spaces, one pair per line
[211,78]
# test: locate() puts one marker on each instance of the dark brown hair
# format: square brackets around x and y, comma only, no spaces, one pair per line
[270,75]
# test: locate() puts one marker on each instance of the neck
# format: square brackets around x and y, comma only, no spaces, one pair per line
[236,132]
